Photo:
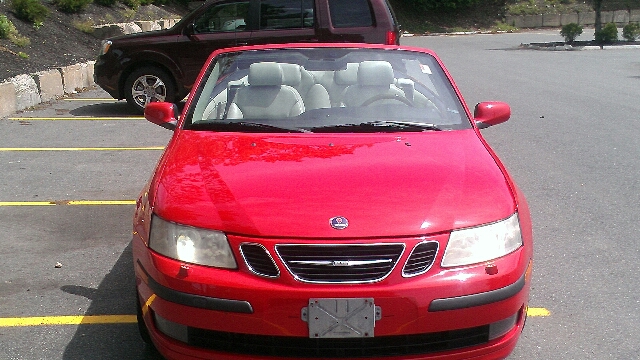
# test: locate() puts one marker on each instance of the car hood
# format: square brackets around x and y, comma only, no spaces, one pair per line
[291,185]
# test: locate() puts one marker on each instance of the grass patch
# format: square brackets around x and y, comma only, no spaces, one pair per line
[503,27]
[86,26]
[8,31]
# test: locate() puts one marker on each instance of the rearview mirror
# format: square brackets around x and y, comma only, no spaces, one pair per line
[491,113]
[162,113]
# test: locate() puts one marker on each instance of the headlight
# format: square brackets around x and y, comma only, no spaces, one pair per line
[488,242]
[104,47]
[192,245]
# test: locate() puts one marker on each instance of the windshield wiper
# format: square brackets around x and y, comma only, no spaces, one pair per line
[246,126]
[403,125]
[379,126]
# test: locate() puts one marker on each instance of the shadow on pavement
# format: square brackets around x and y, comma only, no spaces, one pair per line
[115,296]
[119,108]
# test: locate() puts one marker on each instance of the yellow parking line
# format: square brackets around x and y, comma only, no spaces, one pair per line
[67,320]
[538,312]
[83,118]
[82,149]
[125,319]
[67,202]
[92,99]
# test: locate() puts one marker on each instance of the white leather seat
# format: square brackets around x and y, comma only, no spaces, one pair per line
[265,96]
[314,96]
[375,80]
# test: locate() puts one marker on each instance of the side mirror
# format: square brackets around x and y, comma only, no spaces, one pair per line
[491,113]
[190,29]
[162,113]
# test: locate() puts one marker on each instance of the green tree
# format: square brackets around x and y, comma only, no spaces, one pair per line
[445,5]
[597,6]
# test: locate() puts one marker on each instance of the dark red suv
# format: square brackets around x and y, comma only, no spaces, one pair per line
[163,65]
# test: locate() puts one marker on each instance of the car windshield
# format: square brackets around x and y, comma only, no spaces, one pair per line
[325,90]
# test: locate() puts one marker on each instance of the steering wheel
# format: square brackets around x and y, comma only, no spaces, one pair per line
[379,97]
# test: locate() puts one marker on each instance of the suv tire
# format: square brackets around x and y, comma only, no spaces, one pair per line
[148,84]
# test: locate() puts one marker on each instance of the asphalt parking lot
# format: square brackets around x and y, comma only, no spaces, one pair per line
[72,169]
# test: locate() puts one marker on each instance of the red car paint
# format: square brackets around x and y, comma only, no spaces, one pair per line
[282,188]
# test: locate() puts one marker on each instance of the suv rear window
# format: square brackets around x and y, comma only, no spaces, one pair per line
[286,14]
[352,13]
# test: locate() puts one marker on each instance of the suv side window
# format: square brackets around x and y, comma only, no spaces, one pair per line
[225,17]
[286,14]
[352,13]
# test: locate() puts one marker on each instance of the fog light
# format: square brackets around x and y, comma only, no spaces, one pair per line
[502,327]
[171,329]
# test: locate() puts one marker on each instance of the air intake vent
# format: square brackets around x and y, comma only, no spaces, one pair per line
[421,258]
[258,260]
[340,263]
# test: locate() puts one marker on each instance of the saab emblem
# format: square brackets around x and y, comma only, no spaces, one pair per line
[339,222]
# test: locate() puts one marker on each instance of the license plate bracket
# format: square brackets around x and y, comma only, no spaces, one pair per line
[341,317]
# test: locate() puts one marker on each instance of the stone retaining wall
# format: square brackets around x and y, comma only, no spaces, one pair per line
[106,31]
[27,90]
[619,17]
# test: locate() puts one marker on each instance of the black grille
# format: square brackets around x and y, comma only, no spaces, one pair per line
[258,260]
[297,347]
[421,258]
[340,263]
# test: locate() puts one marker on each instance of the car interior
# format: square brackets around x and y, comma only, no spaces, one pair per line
[274,90]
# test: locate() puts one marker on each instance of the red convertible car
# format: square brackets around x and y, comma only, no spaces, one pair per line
[330,201]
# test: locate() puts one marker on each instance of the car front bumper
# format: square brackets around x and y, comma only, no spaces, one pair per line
[195,312]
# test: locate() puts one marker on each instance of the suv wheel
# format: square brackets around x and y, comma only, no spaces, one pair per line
[148,84]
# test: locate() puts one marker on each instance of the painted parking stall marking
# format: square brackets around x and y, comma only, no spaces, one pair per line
[76,118]
[67,202]
[127,319]
[67,320]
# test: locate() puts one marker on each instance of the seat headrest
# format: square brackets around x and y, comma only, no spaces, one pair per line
[348,76]
[292,75]
[375,73]
[265,74]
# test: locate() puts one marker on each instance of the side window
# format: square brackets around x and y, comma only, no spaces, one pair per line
[286,14]
[223,17]
[352,13]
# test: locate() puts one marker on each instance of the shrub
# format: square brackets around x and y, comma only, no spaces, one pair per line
[72,6]
[6,27]
[608,34]
[445,5]
[108,3]
[631,31]
[133,4]
[30,10]
[9,31]
[570,32]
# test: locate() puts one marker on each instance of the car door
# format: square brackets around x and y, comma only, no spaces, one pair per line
[285,21]
[223,24]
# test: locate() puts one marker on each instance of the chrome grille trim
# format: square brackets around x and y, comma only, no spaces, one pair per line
[257,262]
[421,259]
[340,263]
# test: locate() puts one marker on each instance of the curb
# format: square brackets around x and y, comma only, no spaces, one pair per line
[28,90]
[575,48]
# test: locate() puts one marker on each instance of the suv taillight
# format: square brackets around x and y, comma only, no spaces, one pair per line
[391,38]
